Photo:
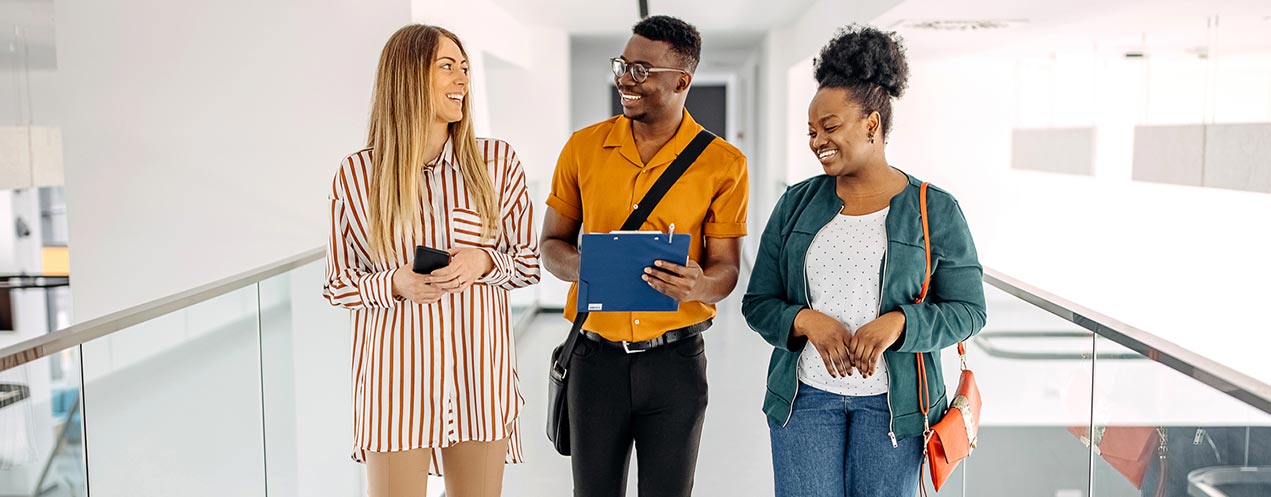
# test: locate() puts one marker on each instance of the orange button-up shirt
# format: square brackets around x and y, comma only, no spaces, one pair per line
[599,180]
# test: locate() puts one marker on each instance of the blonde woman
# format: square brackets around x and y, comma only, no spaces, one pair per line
[434,366]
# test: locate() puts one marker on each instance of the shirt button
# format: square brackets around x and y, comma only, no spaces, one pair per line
[637,321]
[635,206]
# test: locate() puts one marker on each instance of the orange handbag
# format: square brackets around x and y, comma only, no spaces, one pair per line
[954,437]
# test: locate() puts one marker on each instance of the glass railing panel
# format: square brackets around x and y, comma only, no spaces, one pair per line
[278,383]
[305,350]
[41,431]
[1034,373]
[173,405]
[1163,433]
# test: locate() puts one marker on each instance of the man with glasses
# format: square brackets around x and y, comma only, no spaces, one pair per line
[640,377]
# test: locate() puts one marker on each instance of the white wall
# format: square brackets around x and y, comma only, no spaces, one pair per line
[204,136]
[528,104]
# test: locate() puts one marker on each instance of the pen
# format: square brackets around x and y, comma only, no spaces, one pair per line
[671,236]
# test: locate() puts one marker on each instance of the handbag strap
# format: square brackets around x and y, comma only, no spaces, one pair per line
[635,220]
[926,242]
[924,396]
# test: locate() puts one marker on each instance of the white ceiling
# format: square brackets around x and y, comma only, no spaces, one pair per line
[614,17]
[1177,26]
[733,27]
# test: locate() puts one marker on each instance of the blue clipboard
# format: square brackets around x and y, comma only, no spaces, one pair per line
[612,266]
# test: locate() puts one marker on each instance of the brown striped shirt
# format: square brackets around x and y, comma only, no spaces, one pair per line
[439,374]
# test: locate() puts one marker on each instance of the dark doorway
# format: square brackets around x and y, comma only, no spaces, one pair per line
[707,103]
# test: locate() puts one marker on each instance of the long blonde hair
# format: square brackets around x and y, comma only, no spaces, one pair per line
[402,114]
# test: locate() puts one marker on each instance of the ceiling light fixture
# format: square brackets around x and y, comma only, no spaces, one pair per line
[959,25]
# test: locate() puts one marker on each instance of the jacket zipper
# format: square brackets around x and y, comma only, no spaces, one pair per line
[807,299]
[882,285]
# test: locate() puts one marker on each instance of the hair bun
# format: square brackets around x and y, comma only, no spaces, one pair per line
[860,55]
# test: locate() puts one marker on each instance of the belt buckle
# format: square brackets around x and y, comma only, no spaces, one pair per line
[627,347]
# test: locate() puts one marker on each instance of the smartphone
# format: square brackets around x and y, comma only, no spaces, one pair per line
[428,259]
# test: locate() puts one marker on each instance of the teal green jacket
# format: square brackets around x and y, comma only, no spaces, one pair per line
[953,311]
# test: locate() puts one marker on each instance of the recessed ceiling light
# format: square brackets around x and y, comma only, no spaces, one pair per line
[958,24]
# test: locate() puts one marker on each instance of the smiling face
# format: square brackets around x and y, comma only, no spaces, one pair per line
[662,94]
[838,133]
[449,82]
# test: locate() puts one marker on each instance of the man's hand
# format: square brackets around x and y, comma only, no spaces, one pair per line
[676,281]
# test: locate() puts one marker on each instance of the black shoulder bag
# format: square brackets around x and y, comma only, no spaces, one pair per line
[558,411]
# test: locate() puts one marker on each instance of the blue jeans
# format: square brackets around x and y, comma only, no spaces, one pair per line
[838,446]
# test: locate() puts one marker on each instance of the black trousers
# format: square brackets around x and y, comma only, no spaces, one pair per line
[655,400]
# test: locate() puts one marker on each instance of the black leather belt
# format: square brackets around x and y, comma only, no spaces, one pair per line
[663,339]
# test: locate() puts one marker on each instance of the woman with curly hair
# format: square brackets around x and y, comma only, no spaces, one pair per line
[840,267]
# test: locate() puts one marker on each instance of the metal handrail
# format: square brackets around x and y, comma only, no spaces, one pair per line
[43,346]
[1218,376]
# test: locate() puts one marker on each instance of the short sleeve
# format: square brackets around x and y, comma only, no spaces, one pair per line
[726,217]
[566,198]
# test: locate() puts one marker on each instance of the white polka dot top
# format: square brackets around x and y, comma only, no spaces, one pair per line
[843,270]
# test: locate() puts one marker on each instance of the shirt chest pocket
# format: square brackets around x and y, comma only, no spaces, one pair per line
[465,229]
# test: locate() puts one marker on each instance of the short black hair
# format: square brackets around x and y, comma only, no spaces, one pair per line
[685,41]
[869,64]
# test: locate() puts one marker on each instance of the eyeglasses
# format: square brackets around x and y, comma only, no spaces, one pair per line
[639,72]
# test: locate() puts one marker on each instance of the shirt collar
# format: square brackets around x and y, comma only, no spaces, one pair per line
[447,155]
[622,136]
